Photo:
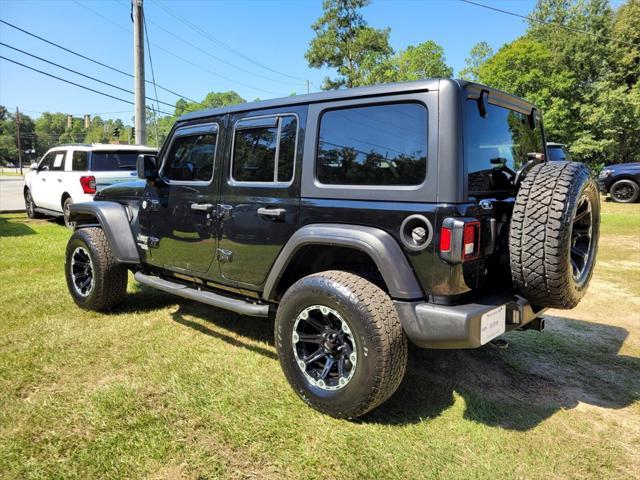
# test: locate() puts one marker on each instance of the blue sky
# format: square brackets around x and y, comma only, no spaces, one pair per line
[273,33]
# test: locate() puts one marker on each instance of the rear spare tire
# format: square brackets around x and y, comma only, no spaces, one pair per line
[554,234]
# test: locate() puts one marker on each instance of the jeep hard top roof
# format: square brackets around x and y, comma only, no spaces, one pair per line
[374,90]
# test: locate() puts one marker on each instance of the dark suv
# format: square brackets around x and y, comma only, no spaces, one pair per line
[360,218]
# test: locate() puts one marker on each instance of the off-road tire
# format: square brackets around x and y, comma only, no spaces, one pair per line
[632,191]
[110,277]
[65,213]
[540,239]
[30,205]
[381,344]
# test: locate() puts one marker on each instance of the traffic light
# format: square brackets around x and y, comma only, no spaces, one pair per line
[116,133]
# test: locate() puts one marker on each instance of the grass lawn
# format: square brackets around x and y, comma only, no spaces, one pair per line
[165,389]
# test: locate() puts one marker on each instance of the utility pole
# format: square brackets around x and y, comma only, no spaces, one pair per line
[138,67]
[18,138]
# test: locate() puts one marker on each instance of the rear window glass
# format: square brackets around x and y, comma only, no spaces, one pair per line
[113,161]
[373,145]
[496,146]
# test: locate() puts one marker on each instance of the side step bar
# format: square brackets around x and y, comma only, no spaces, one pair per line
[235,305]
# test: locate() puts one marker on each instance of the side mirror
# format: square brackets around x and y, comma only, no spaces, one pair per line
[147,166]
[34,167]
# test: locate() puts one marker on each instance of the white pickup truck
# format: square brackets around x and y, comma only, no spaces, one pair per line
[70,174]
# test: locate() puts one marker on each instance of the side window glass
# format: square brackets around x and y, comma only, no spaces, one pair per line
[257,155]
[375,145]
[79,161]
[191,158]
[47,162]
[58,161]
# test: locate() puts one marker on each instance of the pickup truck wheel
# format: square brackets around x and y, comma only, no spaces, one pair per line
[554,233]
[94,278]
[624,191]
[340,343]
[30,206]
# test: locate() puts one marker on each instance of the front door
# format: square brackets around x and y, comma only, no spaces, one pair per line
[177,216]
[259,199]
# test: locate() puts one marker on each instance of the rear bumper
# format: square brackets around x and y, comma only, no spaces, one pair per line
[469,325]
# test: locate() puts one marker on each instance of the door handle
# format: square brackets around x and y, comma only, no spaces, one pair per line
[43,179]
[271,212]
[202,207]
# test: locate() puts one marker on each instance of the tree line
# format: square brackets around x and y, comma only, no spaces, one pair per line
[579,61]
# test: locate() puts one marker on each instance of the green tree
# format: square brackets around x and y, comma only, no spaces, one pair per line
[346,43]
[479,54]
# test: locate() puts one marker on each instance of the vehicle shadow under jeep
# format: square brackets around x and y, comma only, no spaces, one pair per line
[516,388]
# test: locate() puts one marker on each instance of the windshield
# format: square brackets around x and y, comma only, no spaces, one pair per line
[557,153]
[496,146]
[113,161]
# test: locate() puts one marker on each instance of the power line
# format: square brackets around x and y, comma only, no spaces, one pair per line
[182,59]
[72,83]
[153,75]
[87,58]
[222,44]
[80,73]
[541,22]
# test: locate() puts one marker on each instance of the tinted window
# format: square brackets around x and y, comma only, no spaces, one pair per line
[79,161]
[497,145]
[374,145]
[255,149]
[113,161]
[557,154]
[286,157]
[191,158]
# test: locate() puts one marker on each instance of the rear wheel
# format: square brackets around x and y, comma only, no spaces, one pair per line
[30,206]
[66,209]
[340,343]
[624,191]
[94,279]
[554,234]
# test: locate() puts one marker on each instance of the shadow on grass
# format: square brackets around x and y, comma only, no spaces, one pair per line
[517,388]
[14,227]
[147,299]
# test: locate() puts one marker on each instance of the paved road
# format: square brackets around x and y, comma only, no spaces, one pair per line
[11,194]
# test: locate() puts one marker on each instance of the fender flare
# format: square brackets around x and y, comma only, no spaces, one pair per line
[383,249]
[114,220]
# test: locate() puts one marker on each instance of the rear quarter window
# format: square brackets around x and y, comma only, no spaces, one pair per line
[376,145]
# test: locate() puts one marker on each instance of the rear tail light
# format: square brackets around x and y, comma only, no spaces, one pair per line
[459,240]
[445,239]
[88,184]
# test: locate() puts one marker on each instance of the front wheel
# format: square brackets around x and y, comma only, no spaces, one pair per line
[94,279]
[30,206]
[340,343]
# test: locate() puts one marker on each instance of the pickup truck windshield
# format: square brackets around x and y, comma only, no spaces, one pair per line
[496,146]
[113,161]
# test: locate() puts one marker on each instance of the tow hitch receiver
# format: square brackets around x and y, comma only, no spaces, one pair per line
[535,324]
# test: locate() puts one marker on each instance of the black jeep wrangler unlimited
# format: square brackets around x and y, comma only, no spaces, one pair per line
[361,218]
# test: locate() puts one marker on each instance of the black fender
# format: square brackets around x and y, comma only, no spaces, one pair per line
[114,220]
[383,249]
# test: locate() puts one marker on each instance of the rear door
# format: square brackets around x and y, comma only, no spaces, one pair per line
[259,198]
[177,215]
